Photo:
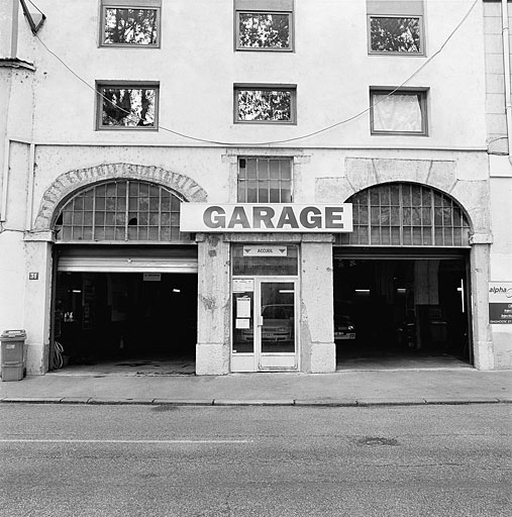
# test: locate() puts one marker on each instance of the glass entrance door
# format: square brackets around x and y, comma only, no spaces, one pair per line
[265,325]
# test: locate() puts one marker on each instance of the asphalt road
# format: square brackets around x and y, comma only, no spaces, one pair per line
[446,461]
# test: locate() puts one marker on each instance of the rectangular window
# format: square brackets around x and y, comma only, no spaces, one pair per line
[264,25]
[398,112]
[127,105]
[265,104]
[134,23]
[264,180]
[395,34]
[395,27]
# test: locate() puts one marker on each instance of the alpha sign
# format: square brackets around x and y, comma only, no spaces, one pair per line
[244,217]
[500,303]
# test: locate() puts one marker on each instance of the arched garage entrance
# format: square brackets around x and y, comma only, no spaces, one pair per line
[125,276]
[401,283]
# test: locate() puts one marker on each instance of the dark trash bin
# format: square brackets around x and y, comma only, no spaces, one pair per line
[13,345]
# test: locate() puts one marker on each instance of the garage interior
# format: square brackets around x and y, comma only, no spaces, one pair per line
[140,320]
[402,311]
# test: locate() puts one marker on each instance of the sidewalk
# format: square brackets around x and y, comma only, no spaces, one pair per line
[343,388]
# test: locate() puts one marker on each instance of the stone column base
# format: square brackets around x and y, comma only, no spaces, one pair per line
[484,355]
[323,357]
[212,359]
[36,358]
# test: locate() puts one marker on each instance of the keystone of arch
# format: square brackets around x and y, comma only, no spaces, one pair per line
[74,180]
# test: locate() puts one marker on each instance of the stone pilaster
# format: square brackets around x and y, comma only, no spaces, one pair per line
[213,305]
[318,352]
[483,349]
[37,301]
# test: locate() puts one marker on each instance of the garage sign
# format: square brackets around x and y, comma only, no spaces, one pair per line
[244,217]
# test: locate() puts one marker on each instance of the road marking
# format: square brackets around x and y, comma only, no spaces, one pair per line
[42,440]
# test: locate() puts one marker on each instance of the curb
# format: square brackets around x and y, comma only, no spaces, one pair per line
[92,401]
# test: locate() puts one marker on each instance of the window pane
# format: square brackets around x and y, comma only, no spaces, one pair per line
[397,112]
[130,26]
[266,183]
[264,105]
[264,30]
[411,220]
[128,107]
[392,34]
[112,219]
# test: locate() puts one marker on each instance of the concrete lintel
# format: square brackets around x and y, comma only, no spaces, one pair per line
[322,238]
[263,237]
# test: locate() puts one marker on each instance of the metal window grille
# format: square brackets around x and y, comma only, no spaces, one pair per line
[121,211]
[265,180]
[402,214]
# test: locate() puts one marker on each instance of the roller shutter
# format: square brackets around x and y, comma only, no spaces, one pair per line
[121,259]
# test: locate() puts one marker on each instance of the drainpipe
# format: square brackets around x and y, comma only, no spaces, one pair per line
[505,34]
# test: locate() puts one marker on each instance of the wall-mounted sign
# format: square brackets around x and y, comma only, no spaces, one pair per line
[33,275]
[244,217]
[152,277]
[243,307]
[265,251]
[243,285]
[500,302]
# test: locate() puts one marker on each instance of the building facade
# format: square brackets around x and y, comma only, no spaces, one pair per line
[263,185]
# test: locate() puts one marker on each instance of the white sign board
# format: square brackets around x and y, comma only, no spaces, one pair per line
[243,285]
[265,251]
[244,217]
[243,307]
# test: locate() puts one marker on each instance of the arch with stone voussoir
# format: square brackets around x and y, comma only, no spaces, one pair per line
[69,183]
[471,196]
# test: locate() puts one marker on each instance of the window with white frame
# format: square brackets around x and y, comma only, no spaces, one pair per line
[264,180]
[127,105]
[265,25]
[265,104]
[398,111]
[132,23]
[395,27]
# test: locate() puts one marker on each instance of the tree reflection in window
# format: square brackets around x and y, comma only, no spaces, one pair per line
[127,107]
[130,26]
[394,34]
[272,105]
[264,31]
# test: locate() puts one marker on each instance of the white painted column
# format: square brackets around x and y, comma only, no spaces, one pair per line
[316,305]
[213,306]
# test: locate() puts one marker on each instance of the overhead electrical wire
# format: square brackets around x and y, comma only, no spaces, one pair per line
[284,140]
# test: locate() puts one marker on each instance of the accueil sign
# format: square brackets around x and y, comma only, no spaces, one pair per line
[244,217]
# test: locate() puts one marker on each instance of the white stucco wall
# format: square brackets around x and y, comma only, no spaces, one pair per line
[500,169]
[501,258]
[197,67]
